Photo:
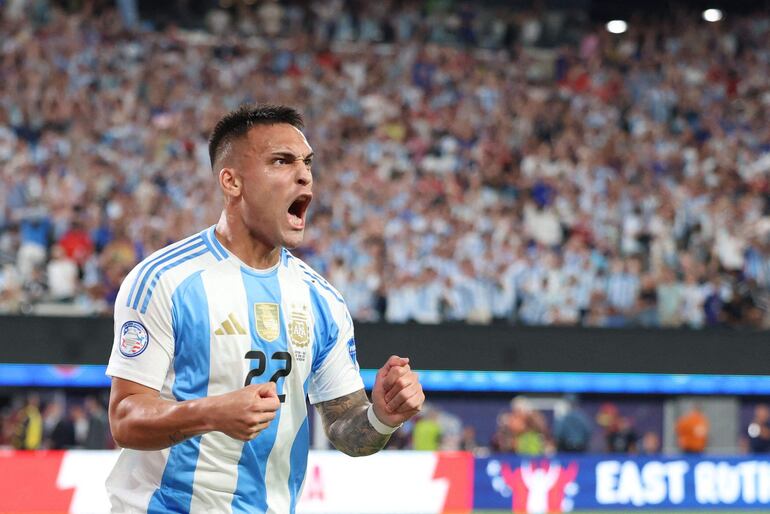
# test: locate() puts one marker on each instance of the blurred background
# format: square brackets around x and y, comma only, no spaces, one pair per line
[559,209]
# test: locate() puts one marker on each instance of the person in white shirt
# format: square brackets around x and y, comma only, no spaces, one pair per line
[61,275]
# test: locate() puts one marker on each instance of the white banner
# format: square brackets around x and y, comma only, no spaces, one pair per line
[385,483]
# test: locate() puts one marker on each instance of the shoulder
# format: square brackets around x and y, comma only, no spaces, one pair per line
[164,270]
[321,291]
[317,283]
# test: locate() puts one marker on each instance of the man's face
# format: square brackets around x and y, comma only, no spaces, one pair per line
[274,168]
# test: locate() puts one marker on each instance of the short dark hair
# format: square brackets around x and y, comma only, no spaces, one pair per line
[236,124]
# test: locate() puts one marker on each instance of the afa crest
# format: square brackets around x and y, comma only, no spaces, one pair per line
[299,329]
[267,317]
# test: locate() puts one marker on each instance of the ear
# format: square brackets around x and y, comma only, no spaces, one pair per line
[230,182]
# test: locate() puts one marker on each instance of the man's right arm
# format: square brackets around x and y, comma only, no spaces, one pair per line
[141,420]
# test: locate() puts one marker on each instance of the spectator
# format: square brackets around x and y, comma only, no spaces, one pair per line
[650,443]
[692,430]
[623,285]
[97,435]
[522,430]
[77,244]
[670,296]
[80,425]
[468,440]
[426,435]
[619,433]
[62,276]
[69,431]
[759,430]
[451,431]
[52,414]
[572,430]
[28,433]
[35,232]
[621,436]
[35,287]
[503,440]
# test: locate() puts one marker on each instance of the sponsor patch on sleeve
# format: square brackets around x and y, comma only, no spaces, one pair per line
[133,338]
[352,351]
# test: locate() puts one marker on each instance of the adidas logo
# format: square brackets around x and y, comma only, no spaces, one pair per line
[230,326]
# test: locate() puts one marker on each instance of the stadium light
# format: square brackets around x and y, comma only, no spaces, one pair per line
[617,26]
[712,15]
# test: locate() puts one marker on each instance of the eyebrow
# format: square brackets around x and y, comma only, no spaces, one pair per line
[291,155]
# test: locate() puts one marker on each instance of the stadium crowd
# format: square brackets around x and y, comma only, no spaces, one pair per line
[68,419]
[472,165]
[55,420]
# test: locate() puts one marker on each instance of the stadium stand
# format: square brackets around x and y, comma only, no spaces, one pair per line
[472,165]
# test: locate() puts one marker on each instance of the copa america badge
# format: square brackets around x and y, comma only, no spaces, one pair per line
[133,338]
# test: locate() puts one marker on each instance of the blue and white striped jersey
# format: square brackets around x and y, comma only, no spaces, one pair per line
[192,321]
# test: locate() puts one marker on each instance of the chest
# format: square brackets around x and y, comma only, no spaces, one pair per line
[250,330]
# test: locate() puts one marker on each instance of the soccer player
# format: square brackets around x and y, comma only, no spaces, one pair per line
[220,337]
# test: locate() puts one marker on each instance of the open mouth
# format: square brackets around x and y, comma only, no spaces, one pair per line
[297,210]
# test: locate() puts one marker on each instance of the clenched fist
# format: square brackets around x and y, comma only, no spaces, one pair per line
[244,413]
[397,394]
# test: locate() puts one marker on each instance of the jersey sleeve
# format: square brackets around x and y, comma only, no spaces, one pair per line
[335,370]
[143,343]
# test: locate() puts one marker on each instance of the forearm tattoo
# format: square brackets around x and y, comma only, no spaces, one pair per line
[347,426]
[177,437]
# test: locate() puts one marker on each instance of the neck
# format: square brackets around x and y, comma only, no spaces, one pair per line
[235,236]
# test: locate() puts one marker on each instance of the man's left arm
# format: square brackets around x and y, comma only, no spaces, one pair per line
[357,427]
